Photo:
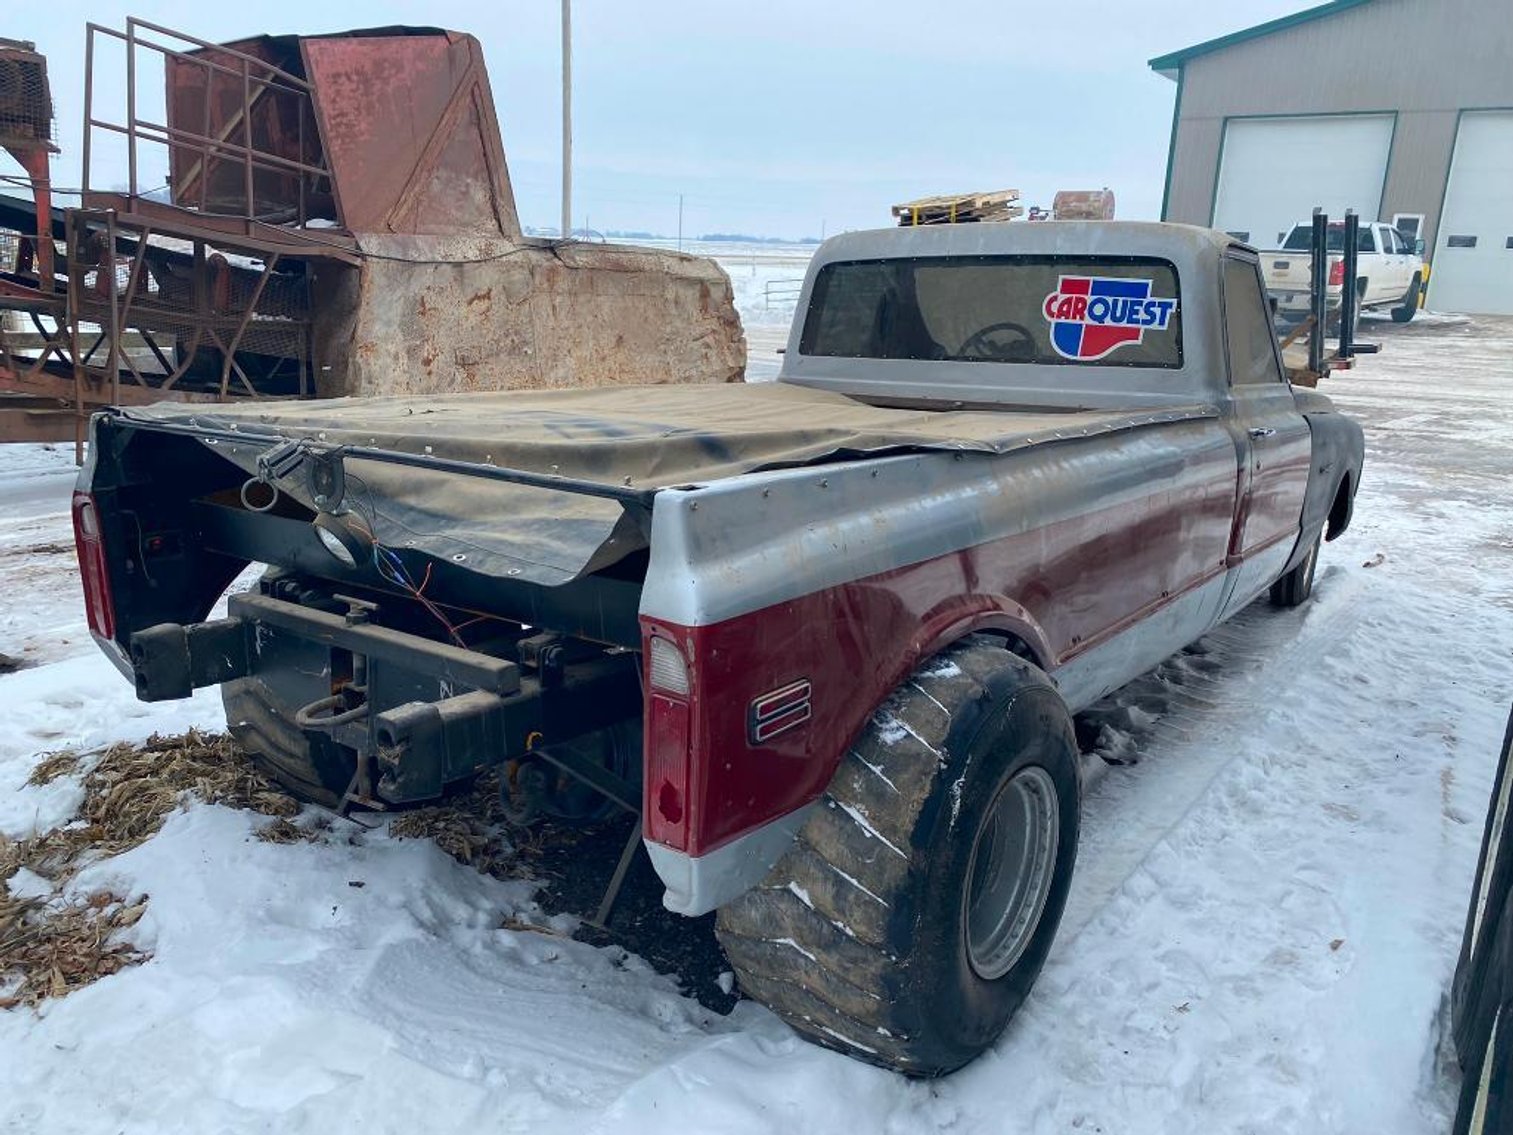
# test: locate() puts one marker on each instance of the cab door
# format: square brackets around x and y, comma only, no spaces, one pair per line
[1273,439]
[1396,278]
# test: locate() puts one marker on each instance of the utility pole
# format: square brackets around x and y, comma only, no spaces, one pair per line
[680,222]
[567,120]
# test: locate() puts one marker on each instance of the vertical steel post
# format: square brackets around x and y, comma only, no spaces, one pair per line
[247,138]
[567,120]
[38,166]
[300,177]
[1349,301]
[89,87]
[72,219]
[1318,276]
[204,142]
[113,292]
[131,107]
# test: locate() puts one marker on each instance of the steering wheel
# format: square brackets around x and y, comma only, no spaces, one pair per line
[981,345]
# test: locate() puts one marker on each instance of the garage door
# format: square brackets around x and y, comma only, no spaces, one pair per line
[1472,269]
[1273,171]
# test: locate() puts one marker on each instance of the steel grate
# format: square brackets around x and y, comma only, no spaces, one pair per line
[26,105]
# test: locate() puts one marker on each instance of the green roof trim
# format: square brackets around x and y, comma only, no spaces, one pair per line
[1168,64]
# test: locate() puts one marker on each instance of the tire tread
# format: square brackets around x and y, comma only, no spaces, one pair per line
[810,941]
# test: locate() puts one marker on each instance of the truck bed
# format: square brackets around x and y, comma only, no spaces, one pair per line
[627,441]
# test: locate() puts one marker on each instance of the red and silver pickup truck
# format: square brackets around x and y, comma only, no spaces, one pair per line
[827,632]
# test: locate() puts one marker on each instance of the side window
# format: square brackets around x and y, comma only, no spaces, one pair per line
[1365,241]
[1247,327]
[1408,226]
[1390,243]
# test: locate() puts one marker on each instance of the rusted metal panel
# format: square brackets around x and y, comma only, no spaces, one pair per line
[1083,205]
[410,135]
[491,315]
[26,133]
[29,423]
[419,280]
[26,103]
[244,96]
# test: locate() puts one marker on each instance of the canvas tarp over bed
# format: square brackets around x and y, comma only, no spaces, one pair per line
[644,438]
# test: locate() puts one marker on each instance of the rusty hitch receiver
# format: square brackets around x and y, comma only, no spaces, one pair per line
[482,711]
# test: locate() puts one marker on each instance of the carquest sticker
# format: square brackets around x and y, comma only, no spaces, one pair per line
[1093,316]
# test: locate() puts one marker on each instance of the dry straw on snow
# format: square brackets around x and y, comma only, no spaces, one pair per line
[49,946]
[52,945]
[467,827]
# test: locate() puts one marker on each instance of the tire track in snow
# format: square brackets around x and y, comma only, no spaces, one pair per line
[1184,711]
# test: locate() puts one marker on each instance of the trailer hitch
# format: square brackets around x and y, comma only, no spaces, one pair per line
[325,473]
[417,743]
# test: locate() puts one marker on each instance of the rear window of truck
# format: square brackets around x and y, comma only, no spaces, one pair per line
[1113,311]
[1301,238]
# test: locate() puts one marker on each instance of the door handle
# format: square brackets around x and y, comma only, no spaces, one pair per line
[1260,431]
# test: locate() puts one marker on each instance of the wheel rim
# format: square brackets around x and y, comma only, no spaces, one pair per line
[1009,877]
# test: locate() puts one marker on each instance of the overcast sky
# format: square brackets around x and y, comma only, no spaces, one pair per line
[774,117]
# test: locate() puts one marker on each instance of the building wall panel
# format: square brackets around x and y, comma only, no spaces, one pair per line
[1425,59]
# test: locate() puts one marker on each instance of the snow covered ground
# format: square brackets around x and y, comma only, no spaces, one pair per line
[1265,915]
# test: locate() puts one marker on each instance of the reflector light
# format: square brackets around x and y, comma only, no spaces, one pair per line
[1336,273]
[666,666]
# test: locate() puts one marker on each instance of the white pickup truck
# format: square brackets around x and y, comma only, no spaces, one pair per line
[1389,270]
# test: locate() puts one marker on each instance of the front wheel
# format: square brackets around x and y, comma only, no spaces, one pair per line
[1294,588]
[917,906]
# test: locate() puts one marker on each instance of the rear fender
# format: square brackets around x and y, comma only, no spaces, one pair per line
[723,807]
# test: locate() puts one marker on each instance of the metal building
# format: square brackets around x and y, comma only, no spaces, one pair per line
[1399,109]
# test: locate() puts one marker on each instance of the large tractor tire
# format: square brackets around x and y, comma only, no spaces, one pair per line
[917,905]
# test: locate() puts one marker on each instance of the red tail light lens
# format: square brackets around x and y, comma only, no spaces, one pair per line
[1336,273]
[89,542]
[667,762]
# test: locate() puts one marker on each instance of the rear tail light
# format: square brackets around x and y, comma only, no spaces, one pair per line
[89,541]
[1336,273]
[668,737]
[667,764]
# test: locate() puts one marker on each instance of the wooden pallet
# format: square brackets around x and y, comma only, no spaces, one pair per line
[959,208]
